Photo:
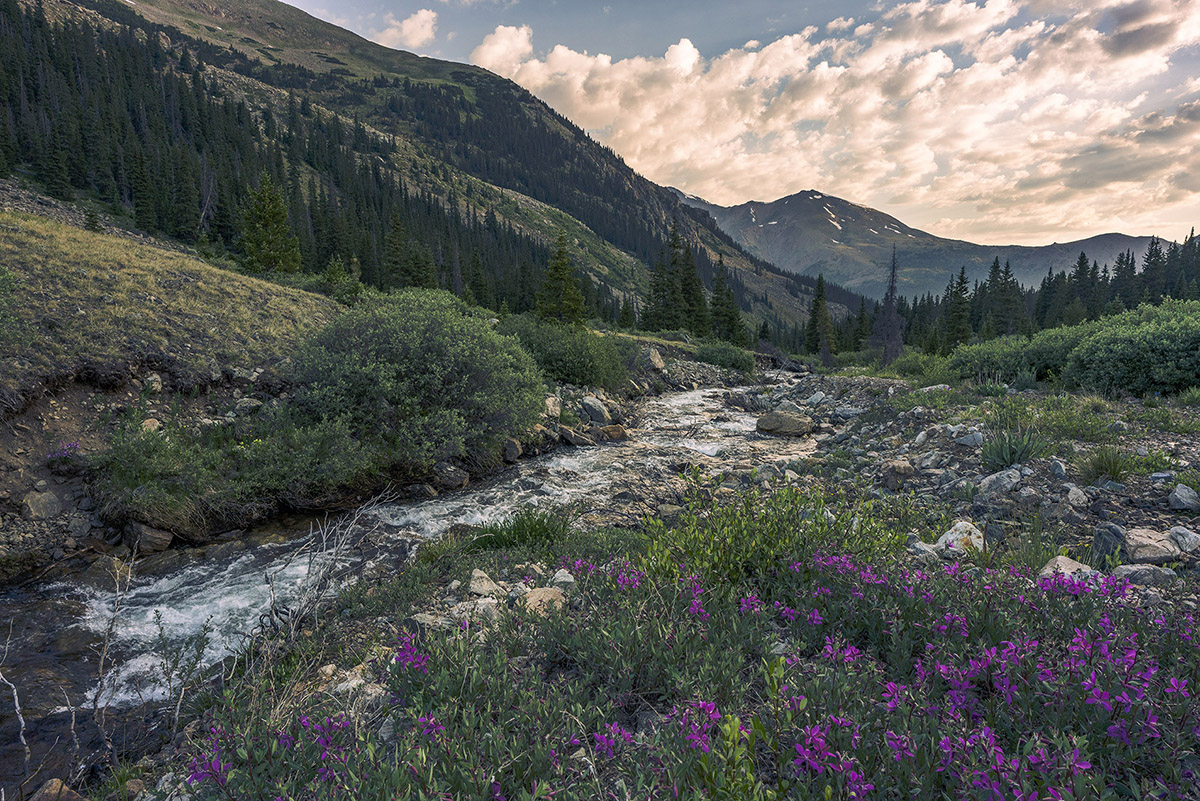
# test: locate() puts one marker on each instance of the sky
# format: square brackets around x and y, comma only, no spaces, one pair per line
[996,121]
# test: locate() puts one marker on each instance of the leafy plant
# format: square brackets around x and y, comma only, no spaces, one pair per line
[1010,438]
[722,354]
[572,354]
[1189,396]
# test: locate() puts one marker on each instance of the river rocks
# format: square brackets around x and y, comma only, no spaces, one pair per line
[511,450]
[41,506]
[614,433]
[963,536]
[1062,565]
[1146,575]
[1183,499]
[783,424]
[896,472]
[146,540]
[449,477]
[543,600]
[595,410]
[482,584]
[574,438]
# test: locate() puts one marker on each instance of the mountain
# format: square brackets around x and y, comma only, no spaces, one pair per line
[810,233]
[482,174]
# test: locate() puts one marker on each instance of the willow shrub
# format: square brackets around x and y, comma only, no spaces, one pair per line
[383,392]
[572,354]
[723,354]
[807,663]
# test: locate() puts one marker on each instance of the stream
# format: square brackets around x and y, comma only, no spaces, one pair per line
[58,627]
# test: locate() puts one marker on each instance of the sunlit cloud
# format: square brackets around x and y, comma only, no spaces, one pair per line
[416,30]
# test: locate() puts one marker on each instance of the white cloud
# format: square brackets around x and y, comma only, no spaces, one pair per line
[416,30]
[1001,120]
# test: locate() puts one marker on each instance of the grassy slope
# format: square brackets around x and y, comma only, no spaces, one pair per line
[92,305]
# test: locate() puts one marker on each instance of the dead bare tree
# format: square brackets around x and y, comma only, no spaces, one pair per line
[16,701]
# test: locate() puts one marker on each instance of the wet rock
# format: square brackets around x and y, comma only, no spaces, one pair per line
[594,409]
[449,477]
[482,584]
[963,536]
[41,506]
[1185,539]
[784,424]
[1183,499]
[1146,575]
[1067,567]
[896,472]
[146,540]
[542,600]
[511,450]
[574,438]
[615,433]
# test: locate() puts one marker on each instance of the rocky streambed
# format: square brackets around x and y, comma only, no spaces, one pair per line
[221,592]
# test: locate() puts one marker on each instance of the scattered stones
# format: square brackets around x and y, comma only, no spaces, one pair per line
[1183,499]
[783,424]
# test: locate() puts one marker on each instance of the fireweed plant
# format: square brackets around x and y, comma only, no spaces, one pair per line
[776,648]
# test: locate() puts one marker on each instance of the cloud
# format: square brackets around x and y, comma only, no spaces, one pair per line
[998,120]
[417,30]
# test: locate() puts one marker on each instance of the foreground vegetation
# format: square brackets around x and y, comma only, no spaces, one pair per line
[777,647]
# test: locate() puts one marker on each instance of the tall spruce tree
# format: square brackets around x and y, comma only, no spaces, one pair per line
[269,245]
[888,332]
[559,297]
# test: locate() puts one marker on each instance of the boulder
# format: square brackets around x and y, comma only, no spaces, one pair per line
[960,538]
[1187,540]
[573,437]
[1068,567]
[896,472]
[511,450]
[1001,482]
[1146,575]
[146,540]
[1183,499]
[594,409]
[55,790]
[542,600]
[563,580]
[1143,546]
[655,359]
[783,424]
[41,506]
[1108,539]
[615,433]
[482,584]
[449,477]
[553,407]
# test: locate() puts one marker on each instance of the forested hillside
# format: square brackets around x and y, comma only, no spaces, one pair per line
[388,164]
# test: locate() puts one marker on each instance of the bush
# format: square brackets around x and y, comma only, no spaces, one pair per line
[1189,397]
[722,354]
[1011,438]
[383,392]
[1105,462]
[571,354]
[926,369]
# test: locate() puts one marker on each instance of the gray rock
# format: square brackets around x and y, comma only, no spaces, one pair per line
[511,450]
[1077,498]
[1108,539]
[482,584]
[934,388]
[1183,499]
[1146,575]
[246,405]
[553,407]
[145,539]
[971,440]
[655,358]
[596,411]
[449,477]
[815,398]
[1185,539]
[788,407]
[848,412]
[563,580]
[41,506]
[896,472]
[924,552]
[963,536]
[1145,546]
[1067,567]
[1001,482]
[1162,478]
[1058,468]
[785,425]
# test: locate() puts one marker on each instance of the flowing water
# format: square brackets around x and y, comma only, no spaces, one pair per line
[57,627]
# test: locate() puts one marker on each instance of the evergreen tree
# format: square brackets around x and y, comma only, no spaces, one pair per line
[559,297]
[888,332]
[726,316]
[957,321]
[627,319]
[269,246]
[818,334]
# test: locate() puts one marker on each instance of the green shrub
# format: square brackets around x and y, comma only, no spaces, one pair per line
[572,354]
[1105,462]
[1150,349]
[723,354]
[1189,397]
[383,392]
[926,369]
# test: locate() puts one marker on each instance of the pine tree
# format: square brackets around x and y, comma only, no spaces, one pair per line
[888,331]
[627,319]
[559,297]
[269,246]
[818,334]
[726,316]
[957,320]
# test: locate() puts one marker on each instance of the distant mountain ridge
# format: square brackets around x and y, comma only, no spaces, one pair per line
[810,233]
